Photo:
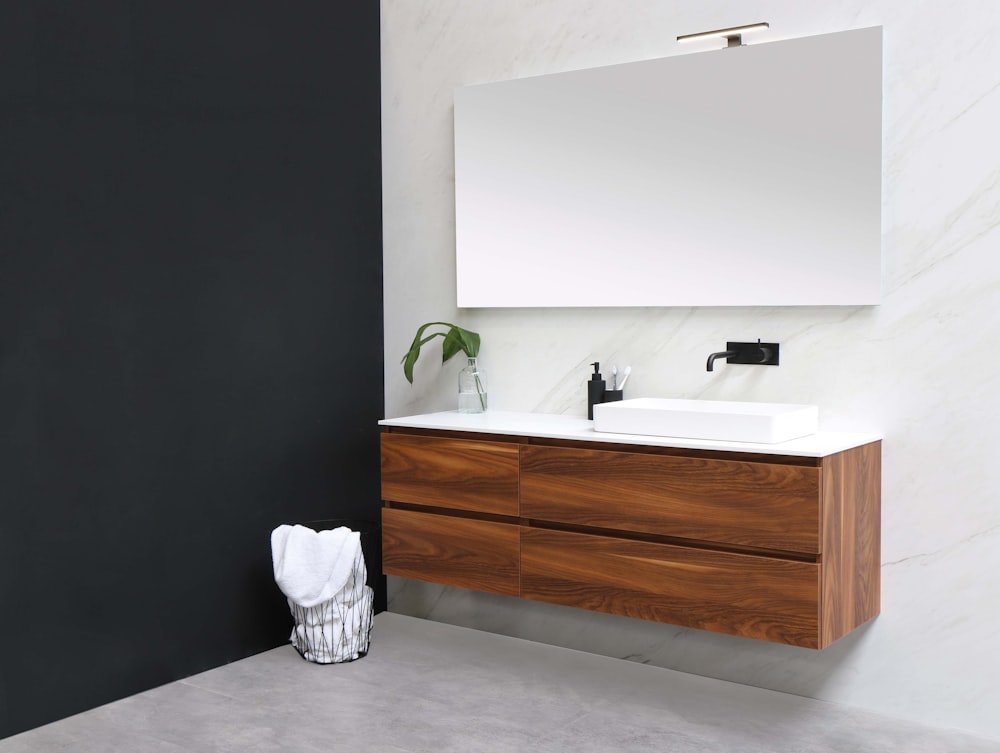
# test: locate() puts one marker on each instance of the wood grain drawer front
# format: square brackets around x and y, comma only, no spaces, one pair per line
[728,501]
[755,597]
[477,554]
[456,473]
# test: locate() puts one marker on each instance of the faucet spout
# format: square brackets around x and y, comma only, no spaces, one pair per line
[721,354]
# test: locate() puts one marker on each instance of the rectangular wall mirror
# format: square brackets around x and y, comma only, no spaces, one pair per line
[746,176]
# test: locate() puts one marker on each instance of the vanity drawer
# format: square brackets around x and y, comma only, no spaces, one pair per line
[751,596]
[734,502]
[455,473]
[477,554]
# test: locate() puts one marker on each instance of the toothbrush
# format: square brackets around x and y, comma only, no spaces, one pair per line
[614,377]
[628,372]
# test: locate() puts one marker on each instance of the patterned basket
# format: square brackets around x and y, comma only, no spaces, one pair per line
[339,629]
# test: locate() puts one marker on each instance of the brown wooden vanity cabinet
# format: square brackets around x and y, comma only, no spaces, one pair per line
[457,518]
[736,501]
[779,548]
[480,554]
[458,474]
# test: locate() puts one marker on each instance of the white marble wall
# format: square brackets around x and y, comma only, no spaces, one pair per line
[923,368]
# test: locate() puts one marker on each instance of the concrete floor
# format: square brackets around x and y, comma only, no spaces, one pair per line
[425,686]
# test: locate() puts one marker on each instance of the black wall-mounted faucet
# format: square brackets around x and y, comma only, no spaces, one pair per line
[710,366]
[761,354]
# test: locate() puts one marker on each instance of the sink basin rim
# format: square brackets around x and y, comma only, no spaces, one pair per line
[719,420]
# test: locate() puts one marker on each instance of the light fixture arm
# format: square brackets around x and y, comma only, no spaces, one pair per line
[732,35]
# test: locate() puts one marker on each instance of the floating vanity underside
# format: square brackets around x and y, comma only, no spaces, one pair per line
[774,542]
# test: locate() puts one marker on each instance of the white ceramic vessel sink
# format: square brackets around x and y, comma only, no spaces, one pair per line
[720,420]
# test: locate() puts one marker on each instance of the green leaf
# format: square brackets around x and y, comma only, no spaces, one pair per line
[456,340]
[451,346]
[472,343]
[414,352]
[459,339]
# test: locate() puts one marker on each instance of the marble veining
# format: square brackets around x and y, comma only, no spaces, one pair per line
[920,369]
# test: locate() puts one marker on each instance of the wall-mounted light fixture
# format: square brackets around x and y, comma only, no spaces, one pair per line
[734,35]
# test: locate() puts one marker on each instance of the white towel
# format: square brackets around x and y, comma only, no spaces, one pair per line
[345,600]
[311,567]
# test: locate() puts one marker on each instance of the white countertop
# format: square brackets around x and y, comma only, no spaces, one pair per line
[574,427]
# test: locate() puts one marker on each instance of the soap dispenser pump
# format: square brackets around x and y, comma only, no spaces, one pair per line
[596,388]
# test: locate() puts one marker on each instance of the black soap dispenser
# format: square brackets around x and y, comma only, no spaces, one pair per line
[596,388]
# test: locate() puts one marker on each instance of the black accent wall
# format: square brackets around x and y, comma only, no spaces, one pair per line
[190,328]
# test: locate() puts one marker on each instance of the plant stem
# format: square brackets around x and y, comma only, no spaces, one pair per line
[481,392]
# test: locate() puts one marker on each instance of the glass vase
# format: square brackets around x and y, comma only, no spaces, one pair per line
[472,388]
